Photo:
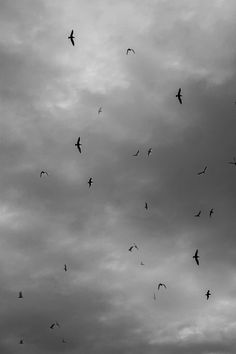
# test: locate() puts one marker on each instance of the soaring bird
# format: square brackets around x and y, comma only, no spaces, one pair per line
[100,110]
[20,296]
[233,162]
[149,151]
[65,267]
[136,154]
[90,181]
[161,284]
[43,173]
[196,257]
[52,325]
[21,341]
[71,37]
[129,50]
[208,294]
[203,171]
[211,212]
[179,96]
[78,144]
[198,214]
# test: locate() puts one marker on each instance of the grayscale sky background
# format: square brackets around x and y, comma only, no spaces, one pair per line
[50,93]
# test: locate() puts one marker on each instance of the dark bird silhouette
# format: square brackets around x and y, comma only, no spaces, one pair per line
[20,296]
[141,263]
[149,151]
[21,341]
[65,267]
[196,257]
[100,110]
[146,206]
[43,173]
[136,154]
[161,284]
[90,181]
[71,37]
[211,212]
[208,294]
[198,214]
[179,96]
[52,325]
[78,144]
[203,171]
[233,162]
[129,50]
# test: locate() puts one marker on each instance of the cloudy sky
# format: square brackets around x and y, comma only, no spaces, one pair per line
[50,93]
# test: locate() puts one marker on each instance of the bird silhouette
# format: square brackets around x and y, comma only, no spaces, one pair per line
[198,214]
[211,212]
[203,171]
[21,341]
[233,162]
[43,173]
[129,50]
[78,144]
[136,154]
[65,267]
[71,37]
[142,263]
[179,96]
[161,284]
[208,294]
[149,152]
[20,296]
[90,181]
[100,110]
[52,325]
[196,257]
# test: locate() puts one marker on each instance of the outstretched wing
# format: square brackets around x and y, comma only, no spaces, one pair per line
[159,285]
[72,40]
[127,51]
[133,51]
[179,92]
[72,32]
[180,99]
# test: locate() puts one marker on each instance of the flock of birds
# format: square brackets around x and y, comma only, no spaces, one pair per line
[90,182]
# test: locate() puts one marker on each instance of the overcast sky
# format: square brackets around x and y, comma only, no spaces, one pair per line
[50,93]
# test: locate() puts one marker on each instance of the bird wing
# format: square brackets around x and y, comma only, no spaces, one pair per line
[78,141]
[159,285]
[130,249]
[196,253]
[79,148]
[133,51]
[180,99]
[164,285]
[197,261]
[179,91]
[72,41]
[127,51]
[41,173]
[72,32]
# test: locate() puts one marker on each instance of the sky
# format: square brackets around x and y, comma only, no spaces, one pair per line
[50,93]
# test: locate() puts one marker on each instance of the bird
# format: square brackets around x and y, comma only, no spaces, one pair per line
[198,214]
[90,181]
[203,171]
[142,263]
[78,144]
[20,296]
[43,173]
[146,206]
[21,341]
[211,212]
[130,249]
[136,154]
[65,267]
[71,37]
[208,294]
[179,96]
[129,50]
[100,110]
[233,162]
[161,284]
[196,257]
[52,325]
[149,152]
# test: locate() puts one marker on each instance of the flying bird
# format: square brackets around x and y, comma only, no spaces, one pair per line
[146,206]
[52,325]
[233,162]
[198,214]
[90,181]
[136,154]
[179,96]
[65,267]
[130,249]
[161,284]
[20,296]
[196,257]
[149,151]
[21,341]
[211,212]
[203,171]
[208,294]
[78,144]
[129,50]
[43,173]
[100,110]
[71,37]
